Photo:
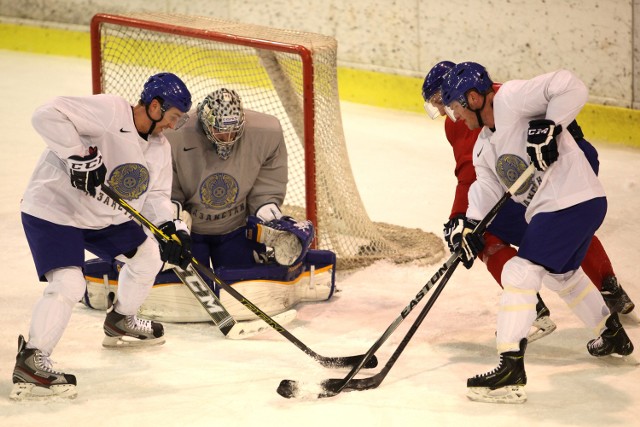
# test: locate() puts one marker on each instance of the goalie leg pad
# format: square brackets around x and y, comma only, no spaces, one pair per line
[273,288]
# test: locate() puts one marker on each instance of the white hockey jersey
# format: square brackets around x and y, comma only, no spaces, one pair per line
[500,157]
[139,170]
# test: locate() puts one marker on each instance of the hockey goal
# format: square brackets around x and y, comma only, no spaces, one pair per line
[289,74]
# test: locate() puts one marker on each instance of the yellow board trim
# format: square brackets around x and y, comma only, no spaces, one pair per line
[600,123]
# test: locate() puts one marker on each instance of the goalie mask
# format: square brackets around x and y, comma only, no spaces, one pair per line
[222,117]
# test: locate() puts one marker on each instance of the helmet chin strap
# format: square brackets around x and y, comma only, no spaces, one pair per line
[477,111]
[153,121]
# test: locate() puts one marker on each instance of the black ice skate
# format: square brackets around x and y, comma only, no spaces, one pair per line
[613,340]
[128,330]
[504,384]
[543,325]
[615,297]
[33,377]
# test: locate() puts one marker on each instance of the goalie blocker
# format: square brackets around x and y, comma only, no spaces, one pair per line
[272,287]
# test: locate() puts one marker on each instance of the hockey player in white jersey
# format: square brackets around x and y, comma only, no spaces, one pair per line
[525,122]
[90,141]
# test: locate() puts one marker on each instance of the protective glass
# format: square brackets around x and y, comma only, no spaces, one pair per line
[180,121]
[430,106]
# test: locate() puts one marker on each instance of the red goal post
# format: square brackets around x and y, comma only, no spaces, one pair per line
[289,74]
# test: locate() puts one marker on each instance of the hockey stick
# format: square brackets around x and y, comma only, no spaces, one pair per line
[345,361]
[229,327]
[207,298]
[331,387]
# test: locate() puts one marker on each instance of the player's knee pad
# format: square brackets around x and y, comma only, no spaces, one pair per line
[522,274]
[146,263]
[582,297]
[66,284]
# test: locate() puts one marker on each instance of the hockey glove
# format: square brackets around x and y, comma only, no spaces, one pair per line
[176,251]
[470,243]
[87,172]
[448,228]
[542,146]
[290,239]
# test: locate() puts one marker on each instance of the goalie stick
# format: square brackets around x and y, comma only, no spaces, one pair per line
[331,387]
[331,362]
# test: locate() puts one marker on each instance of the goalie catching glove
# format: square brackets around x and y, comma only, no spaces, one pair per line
[87,172]
[290,239]
[464,239]
[176,251]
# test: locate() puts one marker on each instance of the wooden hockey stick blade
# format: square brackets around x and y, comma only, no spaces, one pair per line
[245,329]
[340,361]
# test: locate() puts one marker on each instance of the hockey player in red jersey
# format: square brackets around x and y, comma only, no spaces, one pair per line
[499,240]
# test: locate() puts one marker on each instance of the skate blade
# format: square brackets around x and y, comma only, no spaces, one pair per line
[28,391]
[130,342]
[615,359]
[508,394]
[543,327]
[630,317]
[246,329]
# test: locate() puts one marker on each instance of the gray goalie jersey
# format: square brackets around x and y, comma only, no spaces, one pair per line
[220,194]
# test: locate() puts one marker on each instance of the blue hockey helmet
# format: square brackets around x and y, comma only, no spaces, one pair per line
[461,79]
[170,89]
[434,78]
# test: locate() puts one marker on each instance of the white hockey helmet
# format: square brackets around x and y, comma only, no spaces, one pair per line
[222,117]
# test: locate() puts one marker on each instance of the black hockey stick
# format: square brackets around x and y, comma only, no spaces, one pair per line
[331,387]
[339,362]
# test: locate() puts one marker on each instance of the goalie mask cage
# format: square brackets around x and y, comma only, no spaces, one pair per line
[289,74]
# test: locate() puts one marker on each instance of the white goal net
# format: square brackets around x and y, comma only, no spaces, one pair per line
[289,74]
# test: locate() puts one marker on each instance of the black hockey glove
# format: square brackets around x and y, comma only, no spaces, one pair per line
[176,251]
[470,243]
[87,172]
[542,146]
[449,226]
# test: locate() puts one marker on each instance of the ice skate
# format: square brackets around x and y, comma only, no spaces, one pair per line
[615,297]
[34,378]
[612,341]
[130,331]
[505,383]
[543,325]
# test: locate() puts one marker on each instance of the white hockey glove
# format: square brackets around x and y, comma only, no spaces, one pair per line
[269,212]
[290,239]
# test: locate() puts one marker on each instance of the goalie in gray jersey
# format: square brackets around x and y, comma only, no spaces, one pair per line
[230,177]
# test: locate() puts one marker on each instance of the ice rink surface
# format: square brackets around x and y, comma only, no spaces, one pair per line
[404,169]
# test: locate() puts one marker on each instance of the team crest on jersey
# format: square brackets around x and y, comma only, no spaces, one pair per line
[219,191]
[509,167]
[130,180]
